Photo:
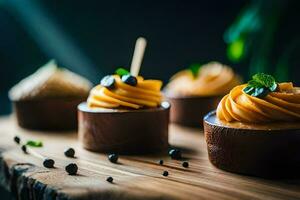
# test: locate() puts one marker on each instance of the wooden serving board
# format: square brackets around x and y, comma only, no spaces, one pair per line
[135,177]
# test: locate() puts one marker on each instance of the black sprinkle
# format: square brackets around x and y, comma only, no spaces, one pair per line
[48,163]
[24,148]
[165,173]
[161,162]
[17,139]
[185,164]
[130,80]
[71,168]
[113,158]
[70,152]
[110,179]
[175,154]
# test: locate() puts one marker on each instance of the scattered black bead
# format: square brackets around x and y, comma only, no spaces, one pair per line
[17,139]
[70,152]
[48,163]
[130,80]
[24,148]
[71,168]
[161,162]
[175,154]
[110,179]
[108,82]
[113,158]
[165,173]
[185,164]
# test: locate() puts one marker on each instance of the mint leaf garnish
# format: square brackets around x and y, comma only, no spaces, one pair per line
[194,68]
[261,85]
[254,84]
[264,79]
[122,72]
[33,143]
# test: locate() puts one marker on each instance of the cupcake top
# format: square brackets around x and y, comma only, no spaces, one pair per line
[261,100]
[50,82]
[211,79]
[123,90]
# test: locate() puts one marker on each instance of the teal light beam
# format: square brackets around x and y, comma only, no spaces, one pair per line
[51,38]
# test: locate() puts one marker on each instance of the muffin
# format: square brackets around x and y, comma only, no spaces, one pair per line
[256,129]
[196,91]
[48,99]
[124,114]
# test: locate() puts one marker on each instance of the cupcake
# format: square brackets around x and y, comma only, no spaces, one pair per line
[48,99]
[256,129]
[196,91]
[124,114]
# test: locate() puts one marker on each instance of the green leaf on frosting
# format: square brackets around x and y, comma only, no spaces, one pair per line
[261,85]
[194,68]
[264,79]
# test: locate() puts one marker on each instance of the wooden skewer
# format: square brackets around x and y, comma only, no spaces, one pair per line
[138,55]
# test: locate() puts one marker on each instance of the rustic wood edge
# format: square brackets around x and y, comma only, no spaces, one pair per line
[17,178]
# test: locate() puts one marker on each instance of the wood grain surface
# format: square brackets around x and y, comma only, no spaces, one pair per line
[135,177]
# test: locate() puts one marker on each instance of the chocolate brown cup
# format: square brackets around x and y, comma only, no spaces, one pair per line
[55,114]
[270,151]
[124,131]
[190,110]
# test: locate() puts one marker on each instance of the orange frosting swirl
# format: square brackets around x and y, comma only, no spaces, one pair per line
[145,94]
[282,105]
[212,79]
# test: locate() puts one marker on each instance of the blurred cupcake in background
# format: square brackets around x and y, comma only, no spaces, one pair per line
[48,99]
[195,91]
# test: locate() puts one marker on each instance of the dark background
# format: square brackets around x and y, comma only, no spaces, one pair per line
[92,38]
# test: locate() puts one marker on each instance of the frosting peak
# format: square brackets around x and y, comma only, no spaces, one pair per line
[212,79]
[281,105]
[50,82]
[146,93]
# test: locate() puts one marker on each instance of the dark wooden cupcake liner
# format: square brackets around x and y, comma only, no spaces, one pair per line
[48,114]
[264,152]
[124,131]
[189,111]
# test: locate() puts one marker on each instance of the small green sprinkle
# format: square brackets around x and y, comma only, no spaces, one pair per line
[33,143]
[122,72]
[194,68]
